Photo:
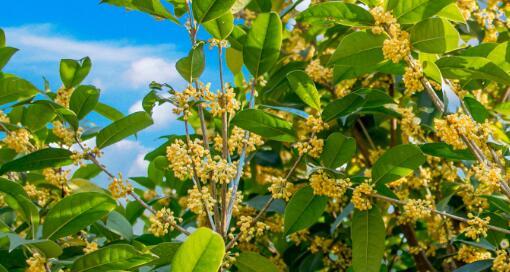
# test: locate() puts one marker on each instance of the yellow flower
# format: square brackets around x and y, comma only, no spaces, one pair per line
[322,184]
[19,140]
[398,47]
[36,263]
[412,77]
[319,73]
[162,222]
[415,209]
[470,254]
[281,188]
[501,262]
[90,247]
[119,187]
[477,227]
[409,124]
[63,133]
[361,196]
[313,147]
[64,96]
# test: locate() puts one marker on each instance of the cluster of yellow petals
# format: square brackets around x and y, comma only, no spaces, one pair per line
[312,146]
[19,140]
[64,96]
[409,123]
[315,124]
[501,262]
[119,187]
[319,73]
[382,18]
[415,209]
[162,222]
[470,254]
[412,77]
[198,198]
[489,177]
[222,102]
[249,229]
[361,196]
[4,118]
[63,133]
[280,188]
[41,195]
[476,227]
[454,126]
[36,263]
[322,184]
[90,247]
[237,140]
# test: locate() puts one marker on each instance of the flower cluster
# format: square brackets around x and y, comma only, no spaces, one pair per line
[36,263]
[119,187]
[281,188]
[162,222]
[454,126]
[312,146]
[90,247]
[64,96]
[322,184]
[57,177]
[315,124]
[63,133]
[470,254]
[476,227]
[198,199]
[361,196]
[412,79]
[409,124]
[319,73]
[415,209]
[501,262]
[382,18]
[238,140]
[19,140]
[248,229]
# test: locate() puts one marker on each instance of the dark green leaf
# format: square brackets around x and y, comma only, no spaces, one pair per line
[166,252]
[83,100]
[14,88]
[262,47]
[446,151]
[303,210]
[111,258]
[87,171]
[253,262]
[40,159]
[118,224]
[108,112]
[123,128]
[265,125]
[5,55]
[37,116]
[74,212]
[18,200]
[477,110]
[151,7]
[338,150]
[337,13]
[362,48]
[477,266]
[49,248]
[397,162]
[343,106]
[367,234]
[193,65]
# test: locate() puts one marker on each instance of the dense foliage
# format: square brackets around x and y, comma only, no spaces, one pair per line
[356,136]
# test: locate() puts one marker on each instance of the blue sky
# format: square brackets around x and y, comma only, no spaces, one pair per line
[128,51]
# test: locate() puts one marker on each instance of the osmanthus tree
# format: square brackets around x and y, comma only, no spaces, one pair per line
[356,136]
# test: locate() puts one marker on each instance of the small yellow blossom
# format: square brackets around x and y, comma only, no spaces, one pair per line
[313,147]
[281,188]
[361,196]
[412,79]
[249,229]
[501,262]
[416,209]
[470,254]
[409,124]
[322,184]
[319,73]
[162,222]
[476,227]
[90,247]
[19,140]
[36,263]
[119,187]
[398,47]
[63,133]
[315,124]
[4,118]
[64,96]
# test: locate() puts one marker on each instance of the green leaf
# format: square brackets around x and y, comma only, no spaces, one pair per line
[5,55]
[18,200]
[14,88]
[118,224]
[253,262]
[73,72]
[265,125]
[413,11]
[435,35]
[477,266]
[75,212]
[2,38]
[397,162]
[151,7]
[367,234]
[49,248]
[83,100]
[304,87]
[503,108]
[343,106]
[108,112]
[37,116]
[446,151]
[263,43]
[166,252]
[477,110]
[337,13]
[499,202]
[362,48]
[40,159]
[452,13]
[202,251]
[469,68]
[110,258]
[234,60]
[338,150]
[431,71]
[123,128]
[221,27]
[303,210]
[193,65]
[207,10]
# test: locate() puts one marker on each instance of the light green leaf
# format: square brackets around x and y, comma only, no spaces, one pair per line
[452,13]
[263,43]
[413,11]
[221,27]
[435,35]
[151,7]
[37,116]
[239,5]
[303,210]
[83,100]
[367,234]
[253,262]
[118,224]
[499,53]
[75,212]
[2,38]
[431,71]
[111,258]
[207,10]
[123,128]
[337,13]
[469,68]
[304,87]
[338,150]
[193,65]
[14,88]
[446,151]
[5,55]
[265,125]
[165,251]
[18,200]
[73,72]
[43,158]
[397,162]
[234,59]
[108,112]
[202,251]
[362,48]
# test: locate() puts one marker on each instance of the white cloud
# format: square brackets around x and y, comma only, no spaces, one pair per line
[117,65]
[162,115]
[126,157]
